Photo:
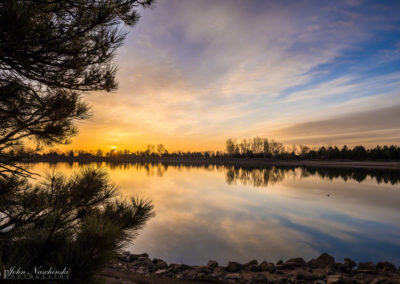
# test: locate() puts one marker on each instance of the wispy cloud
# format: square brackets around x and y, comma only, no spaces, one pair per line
[195,72]
[367,127]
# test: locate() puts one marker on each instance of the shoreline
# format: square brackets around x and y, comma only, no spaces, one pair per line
[244,162]
[139,268]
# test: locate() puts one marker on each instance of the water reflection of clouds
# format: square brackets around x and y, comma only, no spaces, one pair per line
[366,200]
[199,216]
[365,244]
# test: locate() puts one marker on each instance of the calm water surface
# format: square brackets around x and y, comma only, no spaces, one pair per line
[227,213]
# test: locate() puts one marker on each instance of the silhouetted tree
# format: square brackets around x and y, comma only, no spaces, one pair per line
[344,152]
[304,150]
[266,149]
[161,149]
[359,153]
[75,223]
[230,146]
[99,153]
[50,53]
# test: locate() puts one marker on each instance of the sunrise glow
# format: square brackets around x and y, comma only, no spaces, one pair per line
[303,73]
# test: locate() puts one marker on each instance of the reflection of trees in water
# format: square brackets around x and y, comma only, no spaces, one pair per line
[255,176]
[359,175]
[259,177]
[152,169]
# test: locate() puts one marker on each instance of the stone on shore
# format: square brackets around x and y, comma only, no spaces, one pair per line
[212,264]
[160,264]
[298,260]
[178,267]
[267,266]
[252,266]
[385,266]
[286,265]
[234,267]
[251,262]
[160,271]
[366,267]
[232,276]
[259,278]
[322,270]
[349,264]
[324,260]
[218,272]
[305,275]
[334,279]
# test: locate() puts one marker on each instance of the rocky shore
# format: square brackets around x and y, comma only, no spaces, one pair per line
[134,268]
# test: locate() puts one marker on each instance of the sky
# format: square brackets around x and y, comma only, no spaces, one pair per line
[193,73]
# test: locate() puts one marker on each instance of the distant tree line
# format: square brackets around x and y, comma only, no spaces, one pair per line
[152,151]
[247,148]
[263,148]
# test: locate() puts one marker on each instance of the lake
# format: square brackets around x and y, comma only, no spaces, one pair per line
[239,214]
